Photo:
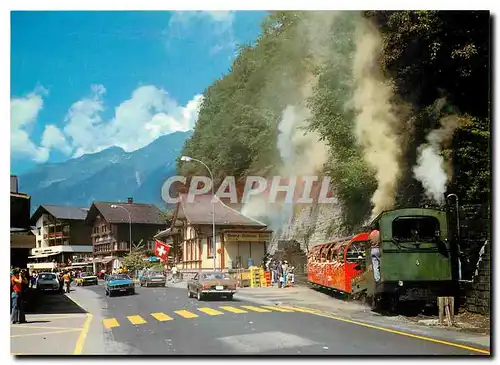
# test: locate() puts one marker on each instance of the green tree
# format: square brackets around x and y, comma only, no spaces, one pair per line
[135,261]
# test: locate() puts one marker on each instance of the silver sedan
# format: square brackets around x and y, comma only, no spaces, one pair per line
[153,279]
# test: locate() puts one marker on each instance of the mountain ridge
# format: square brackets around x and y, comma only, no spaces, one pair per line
[110,175]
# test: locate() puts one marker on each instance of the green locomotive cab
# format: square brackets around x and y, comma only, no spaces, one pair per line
[415,258]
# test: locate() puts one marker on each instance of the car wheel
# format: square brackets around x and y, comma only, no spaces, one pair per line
[199,296]
[140,283]
[132,292]
[110,293]
[189,294]
[230,297]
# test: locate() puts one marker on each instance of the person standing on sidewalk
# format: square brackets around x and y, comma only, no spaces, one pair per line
[67,281]
[279,272]
[17,281]
[285,273]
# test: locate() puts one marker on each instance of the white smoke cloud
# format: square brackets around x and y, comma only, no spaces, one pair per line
[431,168]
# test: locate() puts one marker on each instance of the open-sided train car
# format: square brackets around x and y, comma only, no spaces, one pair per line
[416,260]
[333,265]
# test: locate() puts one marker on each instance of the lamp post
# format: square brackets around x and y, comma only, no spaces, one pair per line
[129,223]
[187,159]
[458,234]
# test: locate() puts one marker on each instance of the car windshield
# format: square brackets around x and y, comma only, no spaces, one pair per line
[47,276]
[215,276]
[119,277]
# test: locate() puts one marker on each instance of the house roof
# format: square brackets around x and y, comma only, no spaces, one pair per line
[139,213]
[200,212]
[60,212]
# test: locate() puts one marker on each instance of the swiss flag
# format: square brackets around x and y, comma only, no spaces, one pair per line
[161,250]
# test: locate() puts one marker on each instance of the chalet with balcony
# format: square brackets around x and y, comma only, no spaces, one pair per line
[114,225]
[61,236]
[240,240]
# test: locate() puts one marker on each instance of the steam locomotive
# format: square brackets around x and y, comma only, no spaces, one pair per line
[418,260]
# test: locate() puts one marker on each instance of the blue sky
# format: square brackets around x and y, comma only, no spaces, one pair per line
[84,81]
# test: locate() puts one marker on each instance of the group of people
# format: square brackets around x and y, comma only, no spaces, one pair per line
[281,273]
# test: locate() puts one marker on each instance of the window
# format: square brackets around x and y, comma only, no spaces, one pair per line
[39,231]
[39,243]
[356,252]
[210,254]
[412,229]
[216,276]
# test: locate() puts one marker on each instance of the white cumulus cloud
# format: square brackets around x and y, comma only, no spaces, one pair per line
[148,114]
[23,114]
[217,25]
[53,138]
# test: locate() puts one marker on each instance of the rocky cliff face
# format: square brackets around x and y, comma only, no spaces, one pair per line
[312,225]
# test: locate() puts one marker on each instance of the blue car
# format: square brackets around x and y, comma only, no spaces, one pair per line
[119,283]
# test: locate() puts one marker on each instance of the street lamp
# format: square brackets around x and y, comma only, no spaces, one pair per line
[129,223]
[187,159]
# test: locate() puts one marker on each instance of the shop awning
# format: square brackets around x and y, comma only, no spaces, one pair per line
[38,256]
[44,255]
[107,261]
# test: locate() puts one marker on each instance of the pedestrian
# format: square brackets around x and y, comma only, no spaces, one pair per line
[274,273]
[291,275]
[285,273]
[67,281]
[61,281]
[279,272]
[375,253]
[17,313]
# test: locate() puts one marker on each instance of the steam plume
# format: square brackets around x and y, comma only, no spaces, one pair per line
[377,123]
[431,170]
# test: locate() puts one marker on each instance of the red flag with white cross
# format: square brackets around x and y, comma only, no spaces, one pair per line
[161,250]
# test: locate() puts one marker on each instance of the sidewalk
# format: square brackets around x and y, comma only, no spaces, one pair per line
[55,327]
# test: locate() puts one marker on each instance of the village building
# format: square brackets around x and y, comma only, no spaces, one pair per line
[22,239]
[61,237]
[114,225]
[240,241]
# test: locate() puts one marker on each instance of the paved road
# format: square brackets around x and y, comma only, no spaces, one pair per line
[161,321]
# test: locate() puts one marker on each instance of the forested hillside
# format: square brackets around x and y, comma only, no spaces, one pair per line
[394,106]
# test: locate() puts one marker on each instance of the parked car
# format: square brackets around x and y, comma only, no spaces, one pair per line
[214,283]
[119,283]
[86,278]
[47,281]
[153,278]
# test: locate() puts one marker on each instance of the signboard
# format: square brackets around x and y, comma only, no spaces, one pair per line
[247,236]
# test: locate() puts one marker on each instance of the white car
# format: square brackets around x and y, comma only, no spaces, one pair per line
[47,281]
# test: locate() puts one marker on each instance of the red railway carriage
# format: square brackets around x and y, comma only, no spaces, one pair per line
[332,265]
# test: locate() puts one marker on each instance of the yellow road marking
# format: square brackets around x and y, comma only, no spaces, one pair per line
[186,314]
[47,327]
[277,308]
[255,309]
[233,309]
[136,319]
[110,323]
[161,317]
[83,335]
[44,333]
[210,311]
[302,309]
[430,339]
